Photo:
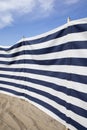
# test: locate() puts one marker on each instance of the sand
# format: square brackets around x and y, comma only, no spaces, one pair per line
[18,114]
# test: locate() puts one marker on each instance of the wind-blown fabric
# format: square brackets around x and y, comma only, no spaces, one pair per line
[50,71]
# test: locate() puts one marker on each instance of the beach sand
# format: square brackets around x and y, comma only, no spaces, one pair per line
[18,114]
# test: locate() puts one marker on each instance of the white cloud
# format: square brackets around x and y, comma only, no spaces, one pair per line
[9,9]
[47,5]
[5,20]
[71,1]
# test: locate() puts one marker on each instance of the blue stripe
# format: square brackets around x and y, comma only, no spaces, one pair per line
[62,61]
[12,55]
[61,75]
[49,107]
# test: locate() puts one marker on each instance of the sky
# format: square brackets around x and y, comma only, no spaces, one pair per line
[29,18]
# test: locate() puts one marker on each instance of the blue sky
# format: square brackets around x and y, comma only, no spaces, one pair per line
[29,18]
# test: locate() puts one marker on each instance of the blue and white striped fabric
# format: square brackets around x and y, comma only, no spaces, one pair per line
[50,71]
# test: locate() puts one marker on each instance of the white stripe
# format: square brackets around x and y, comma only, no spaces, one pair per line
[60,95]
[83,121]
[53,68]
[57,68]
[62,82]
[81,53]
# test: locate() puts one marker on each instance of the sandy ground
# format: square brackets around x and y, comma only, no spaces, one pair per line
[17,114]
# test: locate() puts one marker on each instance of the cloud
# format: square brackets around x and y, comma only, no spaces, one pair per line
[47,5]
[10,9]
[5,20]
[70,2]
